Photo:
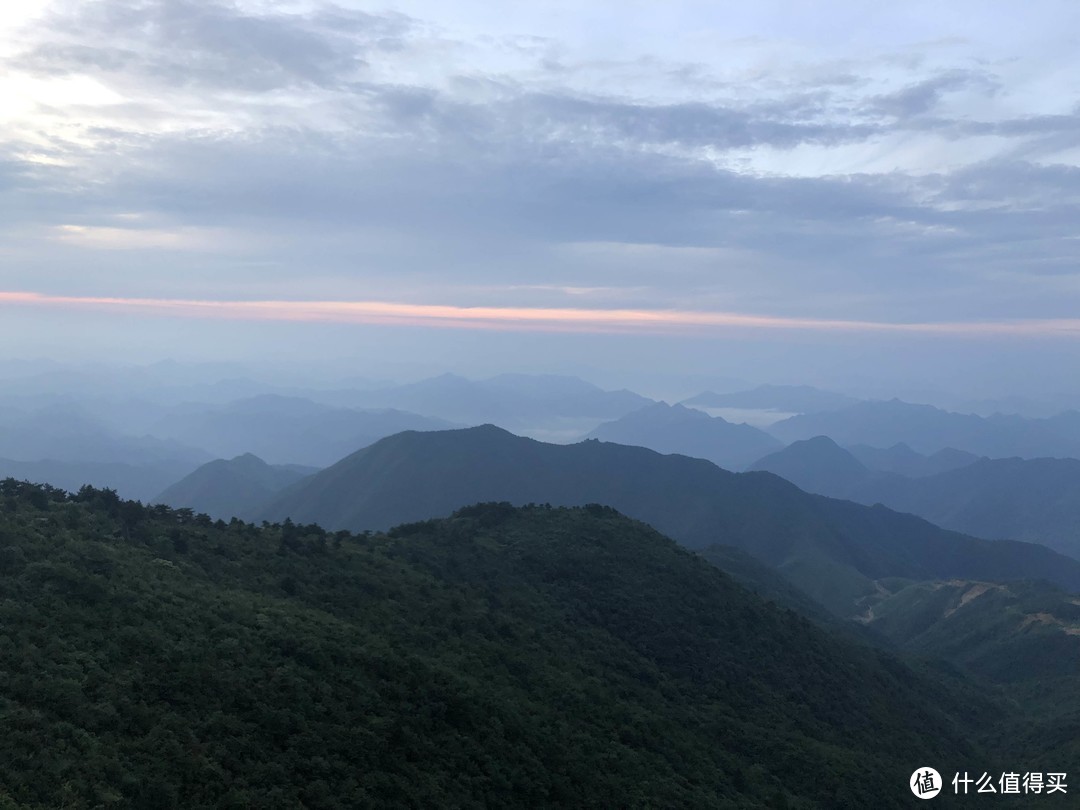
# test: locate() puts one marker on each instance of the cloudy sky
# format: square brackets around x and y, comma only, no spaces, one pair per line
[763,190]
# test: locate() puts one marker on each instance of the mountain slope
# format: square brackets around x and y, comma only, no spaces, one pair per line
[677,429]
[501,658]
[1007,633]
[816,465]
[1033,500]
[239,487]
[902,460]
[832,549]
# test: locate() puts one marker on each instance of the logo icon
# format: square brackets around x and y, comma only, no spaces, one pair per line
[925,783]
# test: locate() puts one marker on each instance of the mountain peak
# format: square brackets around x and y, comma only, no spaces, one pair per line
[678,429]
[815,464]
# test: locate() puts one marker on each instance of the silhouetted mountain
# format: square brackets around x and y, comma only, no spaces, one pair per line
[821,466]
[287,430]
[816,465]
[509,400]
[1019,405]
[677,429]
[1036,500]
[902,460]
[1065,424]
[832,549]
[927,429]
[510,658]
[239,487]
[1033,500]
[63,434]
[164,382]
[786,398]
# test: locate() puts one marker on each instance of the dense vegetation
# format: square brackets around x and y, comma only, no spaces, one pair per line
[833,550]
[150,657]
[1007,633]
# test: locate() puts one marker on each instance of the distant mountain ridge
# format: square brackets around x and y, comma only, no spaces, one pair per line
[678,429]
[512,401]
[902,460]
[818,465]
[786,398]
[927,429]
[833,550]
[287,430]
[64,434]
[1033,500]
[238,487]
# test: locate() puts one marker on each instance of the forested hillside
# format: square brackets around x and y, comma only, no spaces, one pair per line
[503,657]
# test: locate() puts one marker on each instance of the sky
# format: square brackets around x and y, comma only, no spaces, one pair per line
[868,196]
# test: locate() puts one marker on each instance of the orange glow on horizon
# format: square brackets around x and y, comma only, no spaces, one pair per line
[517,318]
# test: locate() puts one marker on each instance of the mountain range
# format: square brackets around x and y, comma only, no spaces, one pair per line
[783,398]
[286,430]
[1035,500]
[240,487]
[552,405]
[501,657]
[927,430]
[65,434]
[833,550]
[902,460]
[678,429]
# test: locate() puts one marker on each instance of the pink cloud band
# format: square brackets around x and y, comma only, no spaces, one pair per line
[517,318]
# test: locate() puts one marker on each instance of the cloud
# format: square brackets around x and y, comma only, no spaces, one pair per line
[926,95]
[524,318]
[326,145]
[133,238]
[191,43]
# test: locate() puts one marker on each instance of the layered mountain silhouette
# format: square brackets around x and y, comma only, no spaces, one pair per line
[817,465]
[902,460]
[833,550]
[287,430]
[239,487]
[927,429]
[1035,500]
[62,433]
[61,445]
[678,429]
[784,398]
[512,401]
